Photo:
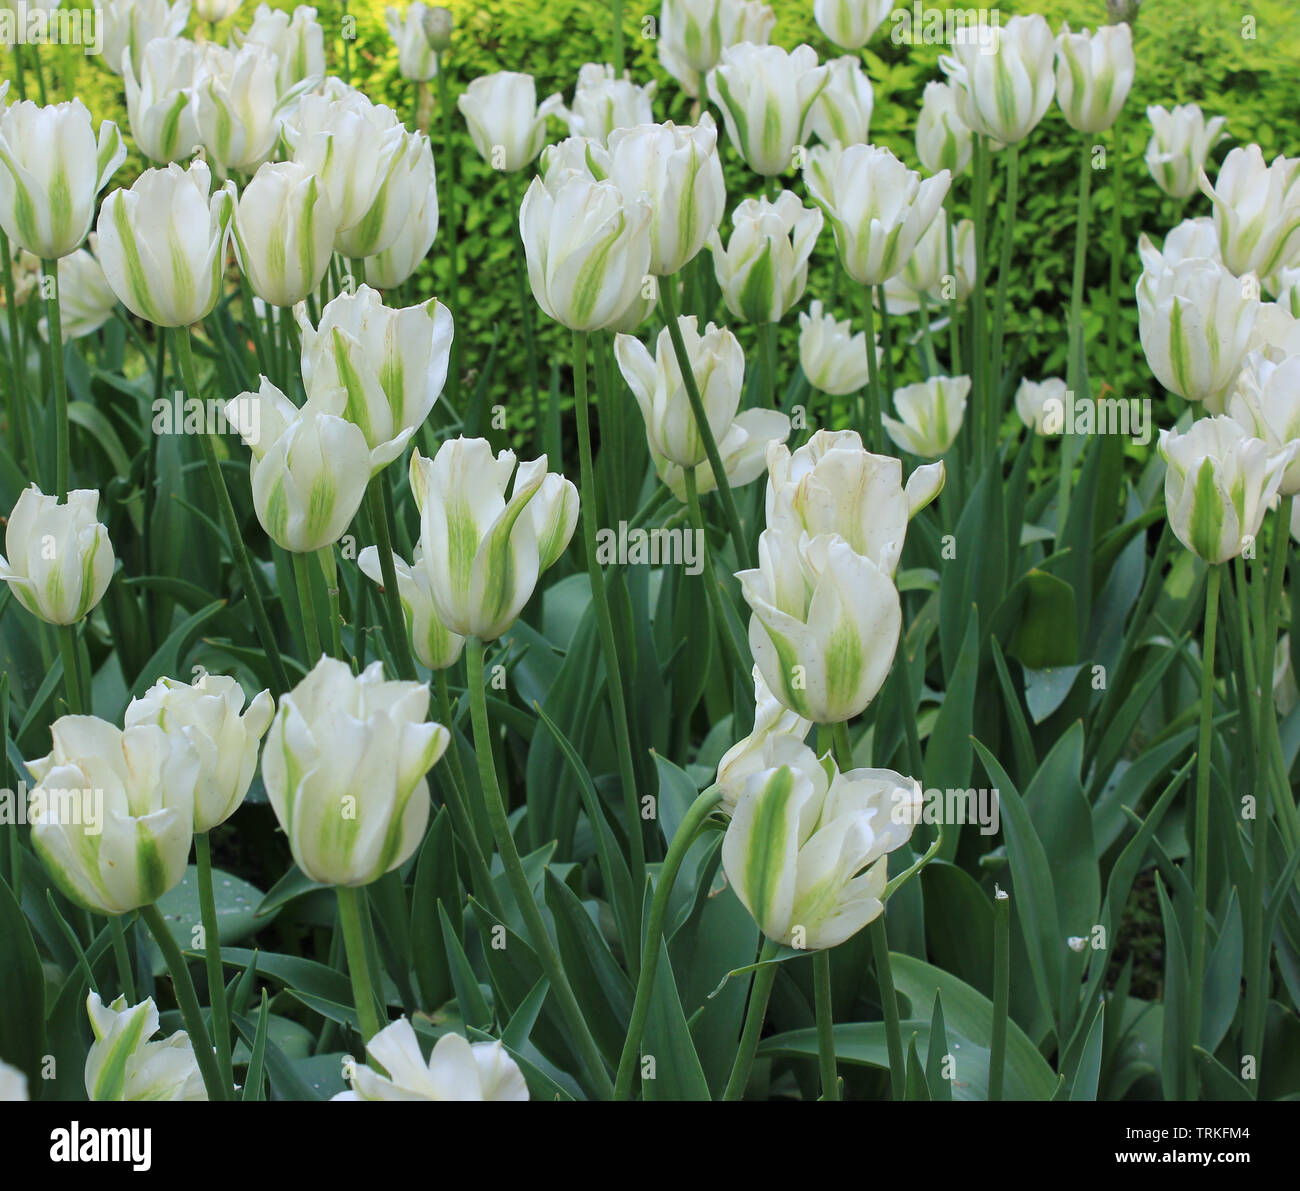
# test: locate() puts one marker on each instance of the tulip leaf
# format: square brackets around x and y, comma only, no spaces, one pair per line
[1046,631]
[1084,1086]
[257,1059]
[435,882]
[22,992]
[948,751]
[292,971]
[670,1065]
[473,1005]
[237,905]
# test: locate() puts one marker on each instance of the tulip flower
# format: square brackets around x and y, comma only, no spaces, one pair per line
[743,451]
[435,645]
[825,623]
[51,171]
[1093,75]
[603,102]
[693,34]
[284,233]
[58,557]
[1180,144]
[237,107]
[850,23]
[1285,285]
[943,142]
[485,553]
[298,43]
[159,98]
[766,95]
[833,358]
[456,1070]
[506,123]
[389,268]
[588,248]
[764,268]
[1191,238]
[806,847]
[123,1064]
[417,60]
[1256,211]
[878,209]
[389,214]
[123,840]
[718,365]
[207,715]
[777,731]
[13,1084]
[842,113]
[381,369]
[216,10]
[86,300]
[344,768]
[929,274]
[133,24]
[1266,400]
[163,244]
[1219,483]
[1195,321]
[1041,404]
[833,485]
[679,171]
[1002,76]
[931,413]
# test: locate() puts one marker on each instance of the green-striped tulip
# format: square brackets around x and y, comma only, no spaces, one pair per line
[930,414]
[159,98]
[122,1064]
[1002,76]
[763,270]
[284,233]
[1093,75]
[943,142]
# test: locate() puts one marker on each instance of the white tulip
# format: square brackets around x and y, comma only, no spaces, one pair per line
[1266,400]
[1093,75]
[929,274]
[133,24]
[763,270]
[403,256]
[13,1084]
[1002,76]
[238,108]
[943,142]
[842,113]
[159,98]
[742,450]
[851,23]
[1191,238]
[123,1064]
[216,10]
[506,123]
[693,34]
[284,233]
[435,645]
[833,358]
[603,102]
[776,731]
[1256,211]
[298,43]
[1041,404]
[1180,144]
[417,60]
[929,415]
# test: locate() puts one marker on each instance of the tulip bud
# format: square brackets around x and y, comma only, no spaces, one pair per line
[163,244]
[59,559]
[122,1064]
[1256,211]
[806,848]
[764,269]
[456,1070]
[159,94]
[1041,405]
[603,102]
[931,413]
[506,123]
[1219,483]
[588,248]
[237,107]
[825,623]
[1123,10]
[216,10]
[1195,321]
[484,553]
[1093,75]
[850,23]
[298,43]
[417,60]
[929,274]
[1180,144]
[842,113]
[1266,401]
[438,25]
[133,24]
[1002,76]
[766,95]
[86,300]
[13,1084]
[833,358]
[389,268]
[284,233]
[131,840]
[679,171]
[50,173]
[207,715]
[344,768]
[878,209]
[718,365]
[435,645]
[943,142]
[777,731]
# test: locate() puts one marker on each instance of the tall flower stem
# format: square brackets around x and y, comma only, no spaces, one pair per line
[188,1003]
[400,646]
[712,589]
[759,992]
[212,957]
[825,1025]
[450,225]
[954,326]
[768,332]
[685,836]
[1118,246]
[604,620]
[994,404]
[872,431]
[526,316]
[67,635]
[1074,357]
[50,270]
[19,415]
[307,602]
[1001,991]
[329,572]
[616,35]
[351,904]
[979,367]
[886,355]
[543,948]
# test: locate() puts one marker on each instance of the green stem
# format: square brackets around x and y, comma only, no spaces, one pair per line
[1119,247]
[524,293]
[540,940]
[188,1003]
[825,1025]
[354,943]
[768,332]
[450,226]
[616,36]
[307,602]
[19,415]
[759,993]
[872,427]
[927,337]
[398,642]
[329,571]
[886,355]
[1000,310]
[979,318]
[954,328]
[712,589]
[50,269]
[1001,991]
[122,956]
[212,957]
[889,1005]
[67,635]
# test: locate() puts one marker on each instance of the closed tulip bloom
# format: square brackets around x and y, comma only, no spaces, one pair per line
[825,623]
[486,552]
[435,645]
[766,95]
[718,365]
[850,23]
[159,98]
[417,60]
[1041,404]
[216,10]
[1093,75]
[842,113]
[1002,76]
[679,171]
[929,273]
[763,270]
[207,714]
[1266,401]
[379,368]
[743,451]
[130,25]
[298,43]
[456,1070]
[123,1064]
[86,300]
[390,212]
[833,358]
[1191,238]
[238,108]
[693,34]
[284,233]
[777,730]
[1195,321]
[1180,144]
[929,415]
[833,485]
[506,123]
[588,248]
[878,208]
[943,142]
[51,171]
[131,845]
[344,767]
[1219,483]
[389,268]
[603,102]
[1256,211]
[806,849]
[58,559]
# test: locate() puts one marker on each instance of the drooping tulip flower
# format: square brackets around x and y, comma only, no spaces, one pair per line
[850,23]
[943,142]
[130,25]
[603,102]
[1256,211]
[1266,401]
[86,300]
[297,41]
[506,123]
[776,731]
[833,358]
[123,1064]
[159,98]
[1180,144]
[58,559]
[1041,404]
[417,60]
[742,450]
[763,270]
[929,415]
[1093,75]
[344,767]
[842,113]
[1003,76]
[51,170]
[456,1070]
